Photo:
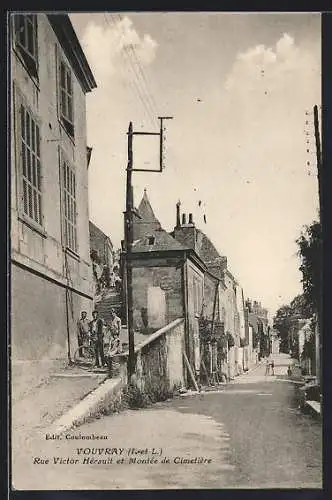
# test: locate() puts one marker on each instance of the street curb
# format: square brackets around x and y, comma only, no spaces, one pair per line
[104,396]
[254,368]
[311,407]
[247,372]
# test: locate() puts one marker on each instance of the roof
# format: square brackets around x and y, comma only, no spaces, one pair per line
[161,241]
[67,37]
[255,320]
[149,236]
[145,210]
[95,232]
[206,248]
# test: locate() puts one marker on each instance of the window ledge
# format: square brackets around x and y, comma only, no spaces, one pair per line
[72,254]
[32,225]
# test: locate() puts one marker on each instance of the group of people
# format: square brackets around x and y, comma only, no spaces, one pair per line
[269,367]
[95,331]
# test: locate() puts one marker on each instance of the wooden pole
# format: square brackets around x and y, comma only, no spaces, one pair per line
[190,371]
[319,322]
[128,244]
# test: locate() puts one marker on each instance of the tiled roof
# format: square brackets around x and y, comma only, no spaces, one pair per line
[155,241]
[145,210]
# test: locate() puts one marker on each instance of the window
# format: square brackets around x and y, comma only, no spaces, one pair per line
[69,206]
[26,40]
[151,240]
[30,165]
[66,97]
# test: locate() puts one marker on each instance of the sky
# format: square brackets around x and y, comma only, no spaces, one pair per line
[240,148]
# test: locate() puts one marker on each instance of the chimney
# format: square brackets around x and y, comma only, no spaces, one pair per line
[184,219]
[190,221]
[178,223]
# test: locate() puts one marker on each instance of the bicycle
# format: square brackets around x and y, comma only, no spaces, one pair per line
[88,352]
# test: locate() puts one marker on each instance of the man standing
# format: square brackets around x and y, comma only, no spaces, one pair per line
[267,367]
[97,336]
[82,331]
[115,330]
[115,323]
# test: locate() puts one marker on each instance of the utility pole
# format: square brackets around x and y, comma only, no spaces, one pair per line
[129,232]
[318,328]
[319,159]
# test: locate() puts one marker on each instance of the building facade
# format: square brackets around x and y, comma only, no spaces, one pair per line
[181,274]
[102,257]
[51,275]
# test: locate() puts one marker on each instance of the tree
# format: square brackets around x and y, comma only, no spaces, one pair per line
[286,321]
[283,322]
[310,252]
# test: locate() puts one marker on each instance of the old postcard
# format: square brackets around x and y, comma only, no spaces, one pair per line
[166,309]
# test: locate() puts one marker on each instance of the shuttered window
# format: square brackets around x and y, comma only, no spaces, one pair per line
[69,206]
[26,40]
[30,165]
[66,97]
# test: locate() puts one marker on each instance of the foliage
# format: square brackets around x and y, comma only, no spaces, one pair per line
[286,319]
[136,398]
[309,346]
[95,257]
[243,342]
[310,253]
[230,340]
[204,329]
[256,339]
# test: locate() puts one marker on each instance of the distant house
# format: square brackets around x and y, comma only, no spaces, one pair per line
[102,256]
[258,320]
[223,296]
[51,276]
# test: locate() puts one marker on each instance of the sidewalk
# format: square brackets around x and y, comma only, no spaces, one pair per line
[45,403]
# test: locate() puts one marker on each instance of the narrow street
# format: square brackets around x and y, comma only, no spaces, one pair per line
[249,435]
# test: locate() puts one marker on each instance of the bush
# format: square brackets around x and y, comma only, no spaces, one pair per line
[231,341]
[134,398]
[243,342]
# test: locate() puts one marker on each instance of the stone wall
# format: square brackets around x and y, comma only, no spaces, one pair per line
[159,360]
[157,297]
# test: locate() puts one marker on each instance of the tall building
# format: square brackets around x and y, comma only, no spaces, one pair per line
[51,275]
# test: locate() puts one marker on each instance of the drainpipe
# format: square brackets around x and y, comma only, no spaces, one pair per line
[68,329]
[185,309]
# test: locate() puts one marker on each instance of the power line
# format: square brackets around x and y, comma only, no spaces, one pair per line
[126,48]
[132,82]
[135,81]
[149,93]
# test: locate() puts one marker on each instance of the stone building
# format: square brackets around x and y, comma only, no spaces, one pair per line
[102,257]
[258,320]
[181,274]
[51,276]
[167,281]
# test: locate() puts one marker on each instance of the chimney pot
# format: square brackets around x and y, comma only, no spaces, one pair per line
[184,219]
[178,223]
[190,221]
